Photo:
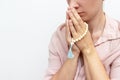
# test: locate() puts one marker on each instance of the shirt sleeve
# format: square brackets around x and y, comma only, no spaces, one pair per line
[115,69]
[54,62]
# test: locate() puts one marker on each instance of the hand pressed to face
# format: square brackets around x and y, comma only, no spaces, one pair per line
[77,28]
[75,48]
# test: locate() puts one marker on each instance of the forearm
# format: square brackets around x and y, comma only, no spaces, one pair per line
[94,65]
[67,71]
[87,71]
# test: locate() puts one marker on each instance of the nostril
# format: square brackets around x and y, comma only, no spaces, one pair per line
[74,5]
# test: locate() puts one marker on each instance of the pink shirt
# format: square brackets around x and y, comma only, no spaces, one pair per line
[108,48]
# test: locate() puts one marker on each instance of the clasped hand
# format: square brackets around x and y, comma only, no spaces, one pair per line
[75,27]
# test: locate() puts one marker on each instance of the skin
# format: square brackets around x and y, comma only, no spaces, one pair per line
[91,12]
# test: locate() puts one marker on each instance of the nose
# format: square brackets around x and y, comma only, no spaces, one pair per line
[74,4]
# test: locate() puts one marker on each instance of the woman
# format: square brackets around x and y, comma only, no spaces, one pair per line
[78,52]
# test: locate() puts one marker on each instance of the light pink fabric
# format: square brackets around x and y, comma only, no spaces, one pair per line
[108,48]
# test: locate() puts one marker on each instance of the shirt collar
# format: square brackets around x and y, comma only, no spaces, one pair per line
[111,31]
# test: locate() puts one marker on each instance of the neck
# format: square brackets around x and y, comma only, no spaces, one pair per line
[96,26]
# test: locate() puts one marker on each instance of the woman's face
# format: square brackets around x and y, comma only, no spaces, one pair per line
[87,9]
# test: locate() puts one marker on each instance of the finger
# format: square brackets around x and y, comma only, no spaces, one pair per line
[68,35]
[77,16]
[72,29]
[75,22]
[67,16]
[66,21]
[80,28]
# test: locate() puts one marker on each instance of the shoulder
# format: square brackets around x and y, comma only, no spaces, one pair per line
[61,28]
[112,27]
[58,36]
[60,31]
[114,23]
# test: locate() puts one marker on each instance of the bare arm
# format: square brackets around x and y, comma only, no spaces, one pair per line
[67,71]
[87,71]
[94,66]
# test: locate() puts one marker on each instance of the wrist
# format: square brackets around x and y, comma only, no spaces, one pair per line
[89,51]
[73,60]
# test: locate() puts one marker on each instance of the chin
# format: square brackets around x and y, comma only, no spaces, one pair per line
[85,19]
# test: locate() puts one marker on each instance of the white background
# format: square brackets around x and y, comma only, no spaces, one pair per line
[26,27]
